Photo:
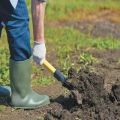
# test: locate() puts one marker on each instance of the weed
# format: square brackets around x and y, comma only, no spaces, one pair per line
[4,66]
[44,81]
[2,108]
[87,59]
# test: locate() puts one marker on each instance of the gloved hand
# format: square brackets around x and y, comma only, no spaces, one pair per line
[39,53]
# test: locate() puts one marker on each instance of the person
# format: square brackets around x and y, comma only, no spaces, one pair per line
[14,18]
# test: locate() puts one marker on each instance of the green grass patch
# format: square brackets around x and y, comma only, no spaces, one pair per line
[4,66]
[66,40]
[39,76]
[2,108]
[43,81]
[87,59]
[58,9]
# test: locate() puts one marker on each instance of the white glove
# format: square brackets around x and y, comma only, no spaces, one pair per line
[39,53]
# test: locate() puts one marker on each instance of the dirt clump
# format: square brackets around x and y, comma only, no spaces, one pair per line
[88,100]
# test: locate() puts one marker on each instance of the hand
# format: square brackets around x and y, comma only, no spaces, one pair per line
[39,53]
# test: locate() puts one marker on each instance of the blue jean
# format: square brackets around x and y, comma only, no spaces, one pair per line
[16,23]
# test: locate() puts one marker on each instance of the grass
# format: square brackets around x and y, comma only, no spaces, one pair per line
[43,80]
[59,9]
[2,108]
[66,40]
[4,64]
[87,59]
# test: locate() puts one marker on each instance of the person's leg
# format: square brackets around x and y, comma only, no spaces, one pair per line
[5,12]
[20,67]
[18,33]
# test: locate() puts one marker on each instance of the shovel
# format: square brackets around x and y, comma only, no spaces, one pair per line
[58,75]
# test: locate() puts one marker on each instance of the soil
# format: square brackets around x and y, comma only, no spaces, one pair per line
[100,28]
[109,66]
[88,100]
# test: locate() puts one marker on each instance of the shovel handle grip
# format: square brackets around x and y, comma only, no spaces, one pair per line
[49,66]
[57,74]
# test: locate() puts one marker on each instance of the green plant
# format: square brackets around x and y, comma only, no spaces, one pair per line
[4,66]
[87,59]
[2,107]
[57,9]
[106,43]
[43,80]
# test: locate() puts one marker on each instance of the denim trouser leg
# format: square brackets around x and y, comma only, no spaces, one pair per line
[17,28]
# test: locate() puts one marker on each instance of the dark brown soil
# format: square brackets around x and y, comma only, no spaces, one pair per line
[9,113]
[98,28]
[109,65]
[88,100]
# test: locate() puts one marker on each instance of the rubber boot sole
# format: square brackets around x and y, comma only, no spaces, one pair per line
[35,107]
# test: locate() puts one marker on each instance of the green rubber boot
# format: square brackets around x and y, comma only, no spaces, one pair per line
[22,94]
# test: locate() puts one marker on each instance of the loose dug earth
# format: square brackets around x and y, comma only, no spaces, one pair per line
[88,100]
